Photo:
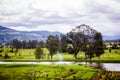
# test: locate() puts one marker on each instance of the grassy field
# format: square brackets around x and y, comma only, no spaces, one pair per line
[57,72]
[45,72]
[28,55]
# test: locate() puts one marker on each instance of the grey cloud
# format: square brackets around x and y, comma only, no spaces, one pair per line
[114,17]
[95,7]
[93,13]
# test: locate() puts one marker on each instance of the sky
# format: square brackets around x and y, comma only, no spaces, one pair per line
[61,15]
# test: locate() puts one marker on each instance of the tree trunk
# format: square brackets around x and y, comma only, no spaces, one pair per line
[48,56]
[51,57]
[90,56]
[51,54]
[75,55]
[86,56]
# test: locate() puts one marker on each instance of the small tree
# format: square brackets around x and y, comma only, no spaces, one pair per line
[38,52]
[5,53]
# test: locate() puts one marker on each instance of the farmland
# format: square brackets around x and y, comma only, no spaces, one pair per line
[57,71]
[28,55]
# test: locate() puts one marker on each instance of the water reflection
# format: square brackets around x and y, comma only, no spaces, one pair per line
[91,64]
[105,66]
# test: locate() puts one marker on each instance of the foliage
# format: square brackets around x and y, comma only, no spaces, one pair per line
[64,43]
[5,53]
[84,38]
[44,72]
[18,44]
[106,75]
[38,52]
[41,43]
[1,50]
[52,44]
[98,44]
[115,46]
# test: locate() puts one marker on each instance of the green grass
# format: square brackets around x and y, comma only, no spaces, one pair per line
[27,55]
[45,72]
[54,72]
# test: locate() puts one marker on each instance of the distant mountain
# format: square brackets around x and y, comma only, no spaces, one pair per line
[117,37]
[5,29]
[7,34]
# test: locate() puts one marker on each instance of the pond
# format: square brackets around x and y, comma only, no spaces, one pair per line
[105,66]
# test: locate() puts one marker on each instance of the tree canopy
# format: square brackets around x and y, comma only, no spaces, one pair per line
[52,44]
[84,38]
[38,52]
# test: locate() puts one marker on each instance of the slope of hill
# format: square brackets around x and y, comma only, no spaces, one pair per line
[7,34]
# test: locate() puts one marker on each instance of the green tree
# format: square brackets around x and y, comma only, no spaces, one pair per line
[16,44]
[81,36]
[52,44]
[84,38]
[1,50]
[41,43]
[5,53]
[32,43]
[64,43]
[38,52]
[98,44]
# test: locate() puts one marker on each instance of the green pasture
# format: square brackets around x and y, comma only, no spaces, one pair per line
[55,71]
[28,55]
[45,72]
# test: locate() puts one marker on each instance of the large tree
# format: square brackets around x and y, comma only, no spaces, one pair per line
[52,44]
[64,43]
[98,44]
[84,38]
[78,42]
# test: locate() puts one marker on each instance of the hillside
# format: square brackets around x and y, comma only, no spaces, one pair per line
[7,34]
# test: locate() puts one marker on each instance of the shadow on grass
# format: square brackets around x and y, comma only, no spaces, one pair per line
[16,65]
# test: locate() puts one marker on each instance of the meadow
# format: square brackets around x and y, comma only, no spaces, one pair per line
[57,71]
[28,55]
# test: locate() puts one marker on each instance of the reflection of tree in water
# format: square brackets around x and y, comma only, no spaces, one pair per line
[97,65]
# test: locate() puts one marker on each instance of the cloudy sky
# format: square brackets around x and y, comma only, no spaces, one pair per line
[61,15]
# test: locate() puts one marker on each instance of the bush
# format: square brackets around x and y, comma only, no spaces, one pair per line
[5,76]
[6,56]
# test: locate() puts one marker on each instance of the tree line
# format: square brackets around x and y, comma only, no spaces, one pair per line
[83,38]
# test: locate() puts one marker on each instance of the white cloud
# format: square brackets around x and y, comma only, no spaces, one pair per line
[61,15]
